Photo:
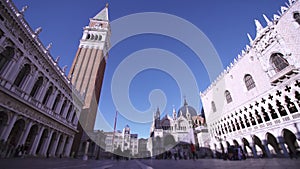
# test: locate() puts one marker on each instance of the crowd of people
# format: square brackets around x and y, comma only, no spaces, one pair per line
[178,153]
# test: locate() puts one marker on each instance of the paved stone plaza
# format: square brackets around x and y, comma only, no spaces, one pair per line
[34,163]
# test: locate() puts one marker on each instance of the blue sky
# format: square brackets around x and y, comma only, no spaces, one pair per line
[225,23]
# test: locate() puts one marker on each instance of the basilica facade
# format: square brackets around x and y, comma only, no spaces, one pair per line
[255,102]
[38,106]
[169,131]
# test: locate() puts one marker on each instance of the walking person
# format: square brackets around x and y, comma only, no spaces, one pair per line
[193,150]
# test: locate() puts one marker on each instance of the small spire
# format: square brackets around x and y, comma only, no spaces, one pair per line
[250,39]
[283,9]
[258,25]
[103,14]
[276,17]
[185,102]
[267,20]
[157,112]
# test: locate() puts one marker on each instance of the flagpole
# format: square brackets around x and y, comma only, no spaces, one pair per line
[115,124]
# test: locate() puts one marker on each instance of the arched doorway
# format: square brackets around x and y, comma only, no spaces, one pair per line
[247,148]
[290,141]
[227,144]
[222,148]
[51,144]
[236,144]
[57,153]
[260,149]
[3,121]
[16,132]
[91,150]
[272,144]
[31,137]
[42,141]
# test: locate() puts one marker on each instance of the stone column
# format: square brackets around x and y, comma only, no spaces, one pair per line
[64,115]
[36,141]
[46,145]
[281,141]
[54,147]
[69,145]
[265,144]
[9,127]
[52,98]
[25,134]
[253,150]
[43,90]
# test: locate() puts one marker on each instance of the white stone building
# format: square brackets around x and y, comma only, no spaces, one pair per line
[168,131]
[123,140]
[37,104]
[255,102]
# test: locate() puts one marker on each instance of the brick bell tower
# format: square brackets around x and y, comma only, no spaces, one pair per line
[87,71]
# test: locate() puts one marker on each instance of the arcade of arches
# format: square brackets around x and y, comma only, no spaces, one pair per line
[36,138]
[284,145]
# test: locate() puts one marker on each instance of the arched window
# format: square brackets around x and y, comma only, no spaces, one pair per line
[278,62]
[6,56]
[56,102]
[47,95]
[228,96]
[63,107]
[22,75]
[36,87]
[249,82]
[73,118]
[296,16]
[69,112]
[213,106]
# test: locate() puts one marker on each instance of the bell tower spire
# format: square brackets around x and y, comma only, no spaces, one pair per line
[87,71]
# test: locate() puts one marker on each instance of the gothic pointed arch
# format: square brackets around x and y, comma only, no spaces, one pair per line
[278,62]
[290,140]
[296,16]
[213,106]
[23,73]
[36,87]
[249,82]
[228,96]
[47,95]
[56,101]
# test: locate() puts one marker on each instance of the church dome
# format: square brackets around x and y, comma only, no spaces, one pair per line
[186,108]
